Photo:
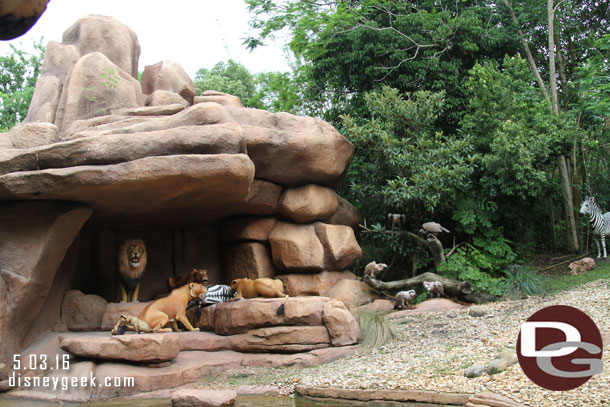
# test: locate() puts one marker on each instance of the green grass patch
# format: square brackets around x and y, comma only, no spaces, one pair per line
[562,283]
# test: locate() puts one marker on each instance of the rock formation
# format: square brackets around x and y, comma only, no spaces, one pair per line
[203,180]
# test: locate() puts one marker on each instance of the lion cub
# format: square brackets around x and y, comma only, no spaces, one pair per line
[129,321]
[172,308]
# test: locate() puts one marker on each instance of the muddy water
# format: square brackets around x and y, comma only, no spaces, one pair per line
[242,401]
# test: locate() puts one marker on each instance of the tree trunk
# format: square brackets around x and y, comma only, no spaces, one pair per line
[434,245]
[528,53]
[568,204]
[461,290]
[552,72]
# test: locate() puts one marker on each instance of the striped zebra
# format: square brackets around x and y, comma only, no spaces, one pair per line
[600,223]
[216,294]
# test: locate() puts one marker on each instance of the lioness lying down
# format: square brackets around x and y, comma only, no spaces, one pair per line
[264,287]
[172,308]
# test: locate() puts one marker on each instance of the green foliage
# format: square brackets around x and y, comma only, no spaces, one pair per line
[522,281]
[402,165]
[229,77]
[481,263]
[375,329]
[594,83]
[356,47]
[273,91]
[18,74]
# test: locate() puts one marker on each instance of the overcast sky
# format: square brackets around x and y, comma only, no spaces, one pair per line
[194,33]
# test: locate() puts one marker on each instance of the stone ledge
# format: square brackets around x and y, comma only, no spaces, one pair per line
[150,348]
[187,368]
[422,396]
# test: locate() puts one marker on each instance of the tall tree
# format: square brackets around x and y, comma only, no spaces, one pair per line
[18,75]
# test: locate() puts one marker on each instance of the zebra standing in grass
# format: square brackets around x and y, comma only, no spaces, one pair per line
[600,223]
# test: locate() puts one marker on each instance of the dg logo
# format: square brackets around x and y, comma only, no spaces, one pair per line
[560,348]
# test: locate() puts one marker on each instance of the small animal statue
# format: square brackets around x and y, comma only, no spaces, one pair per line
[582,265]
[132,264]
[434,288]
[432,228]
[404,299]
[600,222]
[396,219]
[129,321]
[264,287]
[374,268]
[172,308]
[196,276]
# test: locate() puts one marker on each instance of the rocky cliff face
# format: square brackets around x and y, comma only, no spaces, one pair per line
[204,181]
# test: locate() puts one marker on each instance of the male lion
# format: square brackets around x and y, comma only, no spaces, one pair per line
[265,287]
[132,263]
[196,276]
[172,308]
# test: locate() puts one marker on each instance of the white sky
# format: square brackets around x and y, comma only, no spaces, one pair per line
[194,33]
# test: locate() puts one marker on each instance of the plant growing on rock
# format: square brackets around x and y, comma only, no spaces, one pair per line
[110,81]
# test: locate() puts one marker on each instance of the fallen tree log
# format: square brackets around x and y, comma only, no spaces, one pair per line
[461,290]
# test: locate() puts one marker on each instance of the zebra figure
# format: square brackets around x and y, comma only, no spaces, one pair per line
[600,223]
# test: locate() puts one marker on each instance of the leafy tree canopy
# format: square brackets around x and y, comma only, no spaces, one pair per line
[18,74]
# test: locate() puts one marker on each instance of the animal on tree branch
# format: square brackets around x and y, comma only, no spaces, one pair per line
[434,288]
[396,219]
[374,268]
[461,290]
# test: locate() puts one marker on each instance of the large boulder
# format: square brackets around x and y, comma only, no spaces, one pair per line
[31,135]
[144,188]
[34,239]
[168,76]
[81,312]
[340,245]
[346,215]
[95,33]
[114,149]
[246,228]
[149,348]
[95,87]
[312,284]
[164,97]
[218,97]
[258,320]
[296,248]
[263,198]
[352,293]
[45,100]
[247,260]
[238,317]
[293,150]
[342,327]
[308,203]
[283,339]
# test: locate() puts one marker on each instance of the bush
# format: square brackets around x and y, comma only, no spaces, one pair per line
[375,329]
[522,281]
